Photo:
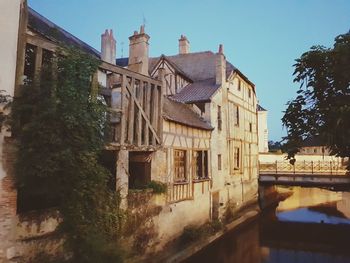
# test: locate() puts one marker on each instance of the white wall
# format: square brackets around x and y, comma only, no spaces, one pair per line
[9,24]
[262,132]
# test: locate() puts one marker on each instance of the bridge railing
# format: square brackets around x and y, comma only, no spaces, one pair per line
[303,167]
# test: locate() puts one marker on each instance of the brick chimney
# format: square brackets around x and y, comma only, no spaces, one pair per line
[138,51]
[220,66]
[108,47]
[184,45]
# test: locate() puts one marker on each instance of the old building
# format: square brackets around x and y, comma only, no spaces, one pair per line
[226,99]
[188,120]
[263,132]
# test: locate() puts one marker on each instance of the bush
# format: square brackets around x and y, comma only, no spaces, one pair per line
[157,187]
[215,226]
[192,233]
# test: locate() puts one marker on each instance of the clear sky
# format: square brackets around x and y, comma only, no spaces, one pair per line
[260,37]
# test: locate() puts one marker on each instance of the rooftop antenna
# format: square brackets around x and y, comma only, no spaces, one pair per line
[122,46]
[144,21]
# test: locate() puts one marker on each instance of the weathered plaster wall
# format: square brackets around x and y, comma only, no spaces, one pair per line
[235,186]
[174,217]
[9,25]
[195,206]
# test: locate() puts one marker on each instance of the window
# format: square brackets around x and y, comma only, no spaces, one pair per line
[219,118]
[47,58]
[237,158]
[219,162]
[239,85]
[236,115]
[250,127]
[180,166]
[249,93]
[200,161]
[29,63]
[139,169]
[46,65]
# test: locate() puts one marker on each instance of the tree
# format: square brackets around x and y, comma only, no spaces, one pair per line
[322,106]
[275,146]
[60,130]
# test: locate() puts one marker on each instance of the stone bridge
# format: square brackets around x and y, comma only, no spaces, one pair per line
[305,173]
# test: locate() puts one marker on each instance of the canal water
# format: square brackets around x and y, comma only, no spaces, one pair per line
[311,225]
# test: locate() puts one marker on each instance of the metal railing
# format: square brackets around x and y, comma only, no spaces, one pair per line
[303,168]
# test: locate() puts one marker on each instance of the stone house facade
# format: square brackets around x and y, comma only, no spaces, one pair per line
[188,120]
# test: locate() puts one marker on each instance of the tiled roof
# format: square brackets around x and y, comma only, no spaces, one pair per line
[53,32]
[122,62]
[197,66]
[181,113]
[200,67]
[199,91]
[260,108]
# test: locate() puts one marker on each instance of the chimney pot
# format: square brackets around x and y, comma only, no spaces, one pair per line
[184,45]
[138,52]
[142,29]
[221,49]
[108,47]
[220,66]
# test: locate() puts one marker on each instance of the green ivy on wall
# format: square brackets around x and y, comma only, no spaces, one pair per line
[60,129]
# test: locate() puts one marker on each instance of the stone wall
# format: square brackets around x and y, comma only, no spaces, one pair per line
[8,199]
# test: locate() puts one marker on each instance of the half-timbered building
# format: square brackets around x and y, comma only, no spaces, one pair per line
[187,120]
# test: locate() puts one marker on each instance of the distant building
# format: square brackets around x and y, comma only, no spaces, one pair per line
[263,133]
[314,146]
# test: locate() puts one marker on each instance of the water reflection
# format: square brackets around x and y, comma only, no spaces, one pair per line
[314,205]
[242,246]
[311,225]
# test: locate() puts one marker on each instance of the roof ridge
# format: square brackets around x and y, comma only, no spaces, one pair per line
[191,53]
[52,24]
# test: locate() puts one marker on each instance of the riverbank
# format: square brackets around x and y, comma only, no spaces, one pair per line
[311,225]
[173,253]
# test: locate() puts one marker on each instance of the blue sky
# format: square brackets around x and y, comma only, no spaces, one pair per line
[261,38]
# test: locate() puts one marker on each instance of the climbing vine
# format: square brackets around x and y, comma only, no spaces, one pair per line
[60,128]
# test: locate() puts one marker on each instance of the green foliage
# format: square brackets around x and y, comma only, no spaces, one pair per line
[60,130]
[322,106]
[5,102]
[158,187]
[216,225]
[194,233]
[275,146]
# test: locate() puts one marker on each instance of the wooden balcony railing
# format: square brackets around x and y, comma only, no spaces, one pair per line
[187,190]
[179,192]
[303,168]
[136,107]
